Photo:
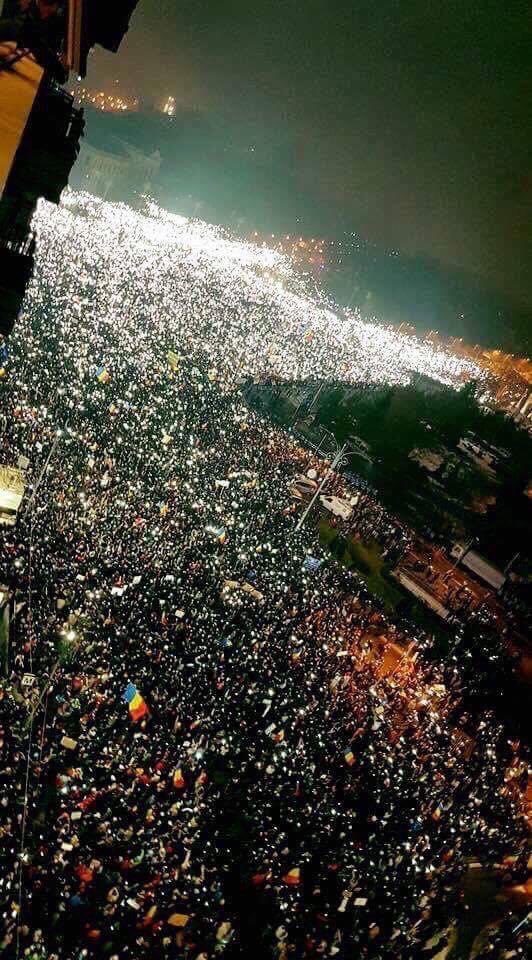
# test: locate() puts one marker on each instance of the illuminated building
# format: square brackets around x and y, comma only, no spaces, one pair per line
[169,107]
[117,171]
[40,129]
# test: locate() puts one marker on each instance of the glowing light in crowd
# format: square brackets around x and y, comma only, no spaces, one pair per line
[218,669]
[250,309]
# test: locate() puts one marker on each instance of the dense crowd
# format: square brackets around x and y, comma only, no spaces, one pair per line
[215,758]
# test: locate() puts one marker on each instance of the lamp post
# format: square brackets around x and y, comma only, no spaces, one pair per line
[522,922]
[320,448]
[311,404]
[6,610]
[340,458]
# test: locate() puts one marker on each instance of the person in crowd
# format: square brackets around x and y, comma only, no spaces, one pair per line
[204,749]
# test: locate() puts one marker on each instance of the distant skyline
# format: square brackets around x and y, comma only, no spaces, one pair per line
[412,119]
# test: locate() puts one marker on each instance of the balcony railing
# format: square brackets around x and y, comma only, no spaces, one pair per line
[49,148]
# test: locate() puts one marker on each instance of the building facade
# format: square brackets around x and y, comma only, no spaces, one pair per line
[120,172]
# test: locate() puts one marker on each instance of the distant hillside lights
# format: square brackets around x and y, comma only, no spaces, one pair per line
[309,251]
[107,102]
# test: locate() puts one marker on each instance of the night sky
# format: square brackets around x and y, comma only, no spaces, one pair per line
[412,120]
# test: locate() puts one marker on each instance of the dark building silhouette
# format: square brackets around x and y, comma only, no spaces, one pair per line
[41,41]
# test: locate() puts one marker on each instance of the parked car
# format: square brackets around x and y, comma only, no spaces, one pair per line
[336,506]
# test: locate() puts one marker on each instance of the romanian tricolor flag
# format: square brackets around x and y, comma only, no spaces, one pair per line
[138,707]
[293,877]
[349,757]
[4,356]
[103,375]
[178,779]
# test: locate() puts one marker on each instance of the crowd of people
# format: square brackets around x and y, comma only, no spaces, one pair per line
[467,602]
[202,749]
[372,522]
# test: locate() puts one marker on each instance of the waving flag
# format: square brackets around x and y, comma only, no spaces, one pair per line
[178,779]
[138,707]
[178,919]
[103,375]
[349,757]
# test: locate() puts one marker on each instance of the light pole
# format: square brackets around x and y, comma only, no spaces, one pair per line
[463,552]
[319,447]
[311,404]
[6,611]
[523,921]
[340,458]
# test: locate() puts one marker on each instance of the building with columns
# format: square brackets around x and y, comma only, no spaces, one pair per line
[117,171]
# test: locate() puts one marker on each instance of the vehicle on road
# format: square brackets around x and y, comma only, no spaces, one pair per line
[336,506]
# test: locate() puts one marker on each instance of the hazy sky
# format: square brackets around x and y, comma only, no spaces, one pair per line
[412,117]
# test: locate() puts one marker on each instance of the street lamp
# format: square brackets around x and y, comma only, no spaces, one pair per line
[6,612]
[312,403]
[340,459]
[320,448]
